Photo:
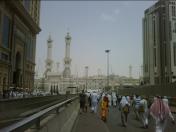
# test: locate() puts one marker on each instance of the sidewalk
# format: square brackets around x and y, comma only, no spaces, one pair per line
[89,122]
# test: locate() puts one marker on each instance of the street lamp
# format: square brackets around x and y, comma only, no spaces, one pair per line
[107,51]
[86,70]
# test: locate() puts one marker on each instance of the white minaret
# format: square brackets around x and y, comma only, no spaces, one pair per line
[49,61]
[67,59]
[130,71]
[57,66]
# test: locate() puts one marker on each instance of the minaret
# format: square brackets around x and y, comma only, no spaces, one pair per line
[67,59]
[49,61]
[57,66]
[99,72]
[130,71]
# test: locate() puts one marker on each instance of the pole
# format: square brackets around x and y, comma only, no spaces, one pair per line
[86,68]
[108,69]
[107,51]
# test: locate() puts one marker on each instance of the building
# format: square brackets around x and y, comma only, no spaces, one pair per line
[55,81]
[159,43]
[67,59]
[49,61]
[19,25]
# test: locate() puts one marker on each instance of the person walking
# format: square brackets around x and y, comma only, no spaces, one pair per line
[119,99]
[143,112]
[114,99]
[104,108]
[128,99]
[94,102]
[137,104]
[82,99]
[124,107]
[110,100]
[86,102]
[160,112]
[89,100]
[165,100]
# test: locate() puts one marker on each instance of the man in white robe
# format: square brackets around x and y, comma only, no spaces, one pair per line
[94,101]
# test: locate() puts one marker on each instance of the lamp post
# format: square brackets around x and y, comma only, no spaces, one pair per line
[86,70]
[107,51]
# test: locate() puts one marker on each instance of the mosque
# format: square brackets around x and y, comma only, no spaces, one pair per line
[55,81]
[62,82]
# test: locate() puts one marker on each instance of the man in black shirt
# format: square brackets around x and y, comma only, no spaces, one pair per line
[82,100]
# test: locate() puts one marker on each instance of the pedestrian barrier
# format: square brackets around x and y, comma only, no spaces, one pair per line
[36,118]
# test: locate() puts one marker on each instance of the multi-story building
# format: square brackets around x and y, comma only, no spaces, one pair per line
[19,25]
[159,43]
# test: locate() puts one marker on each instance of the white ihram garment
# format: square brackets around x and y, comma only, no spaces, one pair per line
[94,99]
[144,115]
[109,98]
[114,99]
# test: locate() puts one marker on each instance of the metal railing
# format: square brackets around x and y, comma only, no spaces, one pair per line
[35,118]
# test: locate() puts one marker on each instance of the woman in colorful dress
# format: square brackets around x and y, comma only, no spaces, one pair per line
[104,108]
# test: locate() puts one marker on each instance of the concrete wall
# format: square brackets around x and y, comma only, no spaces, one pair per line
[60,122]
[164,89]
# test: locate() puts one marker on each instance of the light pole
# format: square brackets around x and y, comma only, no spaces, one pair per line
[86,70]
[107,51]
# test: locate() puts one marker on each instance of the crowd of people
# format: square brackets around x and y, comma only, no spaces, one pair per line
[144,108]
[15,93]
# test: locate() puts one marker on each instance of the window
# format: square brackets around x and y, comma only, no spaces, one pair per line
[27,5]
[5,32]
[29,47]
[155,57]
[170,30]
[174,30]
[156,80]
[29,50]
[164,28]
[173,11]
[154,28]
[165,53]
[174,50]
[20,34]
[0,21]
[167,79]
[4,56]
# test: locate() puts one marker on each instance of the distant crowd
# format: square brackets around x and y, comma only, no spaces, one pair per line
[143,107]
[14,93]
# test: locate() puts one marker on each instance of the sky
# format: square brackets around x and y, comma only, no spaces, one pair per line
[94,27]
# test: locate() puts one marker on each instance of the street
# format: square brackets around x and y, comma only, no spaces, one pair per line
[90,122]
[114,123]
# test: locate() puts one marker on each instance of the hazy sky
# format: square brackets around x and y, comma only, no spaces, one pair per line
[94,26]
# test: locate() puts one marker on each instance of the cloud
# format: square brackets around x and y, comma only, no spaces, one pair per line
[110,17]
[117,11]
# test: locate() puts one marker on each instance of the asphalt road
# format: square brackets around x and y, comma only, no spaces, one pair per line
[114,123]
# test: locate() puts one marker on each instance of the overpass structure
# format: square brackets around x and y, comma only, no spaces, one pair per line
[64,116]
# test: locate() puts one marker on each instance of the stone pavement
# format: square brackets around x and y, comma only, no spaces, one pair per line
[89,122]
